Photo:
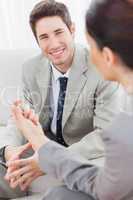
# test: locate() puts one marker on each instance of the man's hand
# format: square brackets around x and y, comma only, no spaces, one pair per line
[12,154]
[29,127]
[26,171]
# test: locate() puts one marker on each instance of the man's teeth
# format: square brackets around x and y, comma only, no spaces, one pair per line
[57,52]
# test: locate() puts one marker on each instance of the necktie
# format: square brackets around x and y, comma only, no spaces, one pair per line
[61,99]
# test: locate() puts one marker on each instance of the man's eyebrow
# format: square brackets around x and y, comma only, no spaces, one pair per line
[55,31]
[43,35]
[59,29]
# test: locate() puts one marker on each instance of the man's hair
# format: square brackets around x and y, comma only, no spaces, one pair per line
[49,8]
[110,23]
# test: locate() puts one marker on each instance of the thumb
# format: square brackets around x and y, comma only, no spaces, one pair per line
[16,113]
[19,152]
[24,148]
[18,102]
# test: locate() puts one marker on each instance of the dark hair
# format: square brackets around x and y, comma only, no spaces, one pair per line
[110,23]
[49,8]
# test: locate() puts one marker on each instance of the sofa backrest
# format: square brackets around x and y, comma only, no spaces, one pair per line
[11,62]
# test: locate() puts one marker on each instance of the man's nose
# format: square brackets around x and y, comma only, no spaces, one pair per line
[54,42]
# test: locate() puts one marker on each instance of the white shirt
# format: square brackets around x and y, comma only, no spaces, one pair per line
[54,94]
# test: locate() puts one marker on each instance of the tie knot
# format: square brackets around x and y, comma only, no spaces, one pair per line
[63,82]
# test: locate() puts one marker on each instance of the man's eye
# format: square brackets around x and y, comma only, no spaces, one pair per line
[58,33]
[44,38]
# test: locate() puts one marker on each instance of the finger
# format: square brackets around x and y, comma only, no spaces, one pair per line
[27,183]
[18,163]
[24,148]
[31,114]
[16,113]
[37,118]
[26,113]
[18,102]
[14,183]
[9,170]
[25,177]
[12,168]
[20,152]
[9,181]
[18,117]
[33,117]
[20,180]
[19,172]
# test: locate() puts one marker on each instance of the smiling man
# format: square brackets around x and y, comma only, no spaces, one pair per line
[56,41]
[62,86]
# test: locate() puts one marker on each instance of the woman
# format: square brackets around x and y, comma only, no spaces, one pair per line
[109,25]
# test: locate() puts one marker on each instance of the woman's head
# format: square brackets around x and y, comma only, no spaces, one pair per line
[109,26]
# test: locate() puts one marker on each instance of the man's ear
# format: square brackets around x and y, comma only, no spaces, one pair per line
[72,29]
[108,56]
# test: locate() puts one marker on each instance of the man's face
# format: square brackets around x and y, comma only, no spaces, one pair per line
[55,40]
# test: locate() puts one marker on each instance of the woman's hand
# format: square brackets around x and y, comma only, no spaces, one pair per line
[27,123]
[27,170]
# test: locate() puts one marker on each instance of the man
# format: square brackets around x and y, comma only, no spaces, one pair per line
[62,86]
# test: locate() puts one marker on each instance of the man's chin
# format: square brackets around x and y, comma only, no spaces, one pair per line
[58,63]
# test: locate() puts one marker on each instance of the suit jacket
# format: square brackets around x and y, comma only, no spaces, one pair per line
[90,103]
[112,181]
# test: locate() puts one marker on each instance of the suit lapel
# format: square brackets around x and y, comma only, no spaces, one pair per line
[76,82]
[43,79]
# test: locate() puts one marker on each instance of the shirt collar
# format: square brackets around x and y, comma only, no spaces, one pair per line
[57,74]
